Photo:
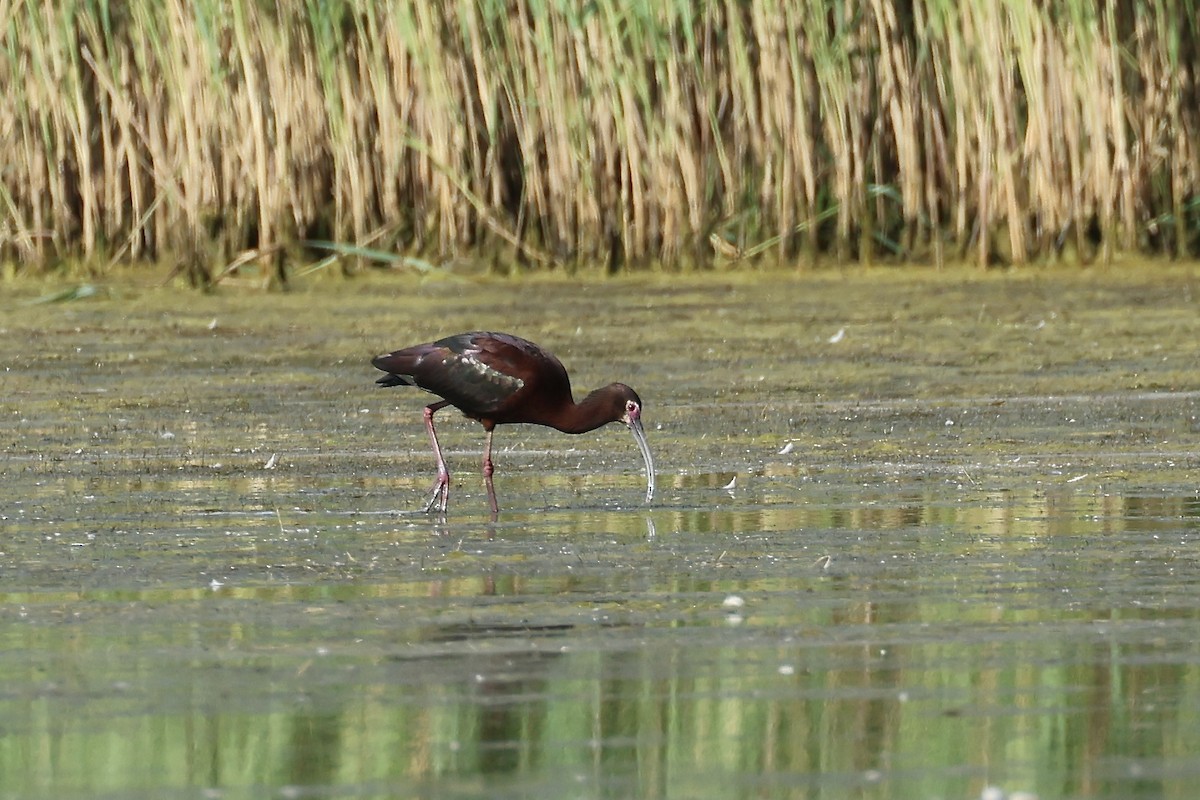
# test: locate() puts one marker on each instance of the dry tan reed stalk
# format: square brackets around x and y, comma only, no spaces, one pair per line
[900,105]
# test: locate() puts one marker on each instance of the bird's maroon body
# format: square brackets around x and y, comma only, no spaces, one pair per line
[498,378]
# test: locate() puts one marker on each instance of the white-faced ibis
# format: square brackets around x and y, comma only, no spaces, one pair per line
[499,378]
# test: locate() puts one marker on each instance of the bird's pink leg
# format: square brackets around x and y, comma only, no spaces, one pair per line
[488,469]
[441,488]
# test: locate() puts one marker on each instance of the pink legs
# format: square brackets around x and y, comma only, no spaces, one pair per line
[440,495]
[488,469]
[441,488]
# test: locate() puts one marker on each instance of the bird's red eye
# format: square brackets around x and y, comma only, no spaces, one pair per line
[630,406]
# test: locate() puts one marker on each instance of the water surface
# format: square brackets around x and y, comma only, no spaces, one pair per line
[917,536]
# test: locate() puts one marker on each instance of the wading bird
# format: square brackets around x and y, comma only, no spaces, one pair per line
[498,378]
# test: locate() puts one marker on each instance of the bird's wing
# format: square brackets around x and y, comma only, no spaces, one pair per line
[475,372]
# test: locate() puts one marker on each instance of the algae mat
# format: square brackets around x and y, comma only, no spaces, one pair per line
[918,535]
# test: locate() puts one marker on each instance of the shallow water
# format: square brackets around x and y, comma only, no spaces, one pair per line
[950,550]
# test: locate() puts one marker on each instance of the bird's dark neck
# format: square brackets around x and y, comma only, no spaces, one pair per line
[591,412]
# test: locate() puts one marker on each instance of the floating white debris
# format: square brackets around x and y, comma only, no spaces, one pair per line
[272,461]
[787,448]
[212,326]
[729,487]
[733,601]
[837,337]
[1077,478]
[787,669]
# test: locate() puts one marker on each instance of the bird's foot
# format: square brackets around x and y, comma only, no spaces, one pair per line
[440,496]
[491,493]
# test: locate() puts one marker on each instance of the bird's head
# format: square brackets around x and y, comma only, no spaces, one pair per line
[627,406]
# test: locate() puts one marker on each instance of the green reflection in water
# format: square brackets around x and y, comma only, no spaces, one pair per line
[927,658]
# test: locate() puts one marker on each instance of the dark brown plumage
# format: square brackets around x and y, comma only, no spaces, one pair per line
[498,378]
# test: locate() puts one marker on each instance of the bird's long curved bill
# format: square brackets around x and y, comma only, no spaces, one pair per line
[640,435]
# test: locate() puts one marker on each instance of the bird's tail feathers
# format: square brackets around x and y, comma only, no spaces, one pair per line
[395,380]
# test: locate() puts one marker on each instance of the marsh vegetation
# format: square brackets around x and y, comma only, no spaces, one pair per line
[216,133]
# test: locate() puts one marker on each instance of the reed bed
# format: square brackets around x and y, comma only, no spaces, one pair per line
[617,132]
